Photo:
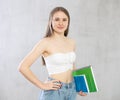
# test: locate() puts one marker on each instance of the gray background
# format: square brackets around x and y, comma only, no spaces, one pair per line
[94,26]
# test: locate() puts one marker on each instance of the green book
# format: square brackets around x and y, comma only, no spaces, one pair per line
[88,80]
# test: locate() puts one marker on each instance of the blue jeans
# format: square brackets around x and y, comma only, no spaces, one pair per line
[66,92]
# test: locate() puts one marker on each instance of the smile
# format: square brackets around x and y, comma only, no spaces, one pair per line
[60,27]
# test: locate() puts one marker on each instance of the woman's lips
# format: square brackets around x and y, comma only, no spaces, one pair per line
[60,27]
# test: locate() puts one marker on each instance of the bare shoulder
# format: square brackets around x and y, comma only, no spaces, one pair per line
[72,41]
[41,45]
[43,42]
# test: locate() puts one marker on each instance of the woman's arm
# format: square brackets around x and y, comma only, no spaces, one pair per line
[26,63]
[24,66]
[74,68]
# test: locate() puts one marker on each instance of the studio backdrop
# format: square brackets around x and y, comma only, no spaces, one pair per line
[94,26]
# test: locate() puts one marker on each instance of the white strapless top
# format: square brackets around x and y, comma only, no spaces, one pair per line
[60,62]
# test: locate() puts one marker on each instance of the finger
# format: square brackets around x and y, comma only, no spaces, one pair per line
[82,93]
[55,88]
[57,84]
[55,81]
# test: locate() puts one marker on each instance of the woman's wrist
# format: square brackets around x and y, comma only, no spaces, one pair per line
[41,86]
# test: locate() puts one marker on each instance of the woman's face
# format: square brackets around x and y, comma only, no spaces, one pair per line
[59,22]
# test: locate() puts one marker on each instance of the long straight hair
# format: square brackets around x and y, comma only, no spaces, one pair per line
[50,30]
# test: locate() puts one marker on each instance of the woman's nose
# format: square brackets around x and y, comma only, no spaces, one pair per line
[60,22]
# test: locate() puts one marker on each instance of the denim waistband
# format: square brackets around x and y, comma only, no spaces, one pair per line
[64,85]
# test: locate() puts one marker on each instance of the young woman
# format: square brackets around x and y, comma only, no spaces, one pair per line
[58,54]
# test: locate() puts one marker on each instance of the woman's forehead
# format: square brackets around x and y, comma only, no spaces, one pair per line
[60,14]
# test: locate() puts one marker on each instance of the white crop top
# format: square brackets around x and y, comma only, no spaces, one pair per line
[59,62]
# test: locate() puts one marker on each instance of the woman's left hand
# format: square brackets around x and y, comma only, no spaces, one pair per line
[82,93]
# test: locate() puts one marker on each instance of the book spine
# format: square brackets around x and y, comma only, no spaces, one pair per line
[94,78]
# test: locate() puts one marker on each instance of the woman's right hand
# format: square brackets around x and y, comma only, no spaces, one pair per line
[51,85]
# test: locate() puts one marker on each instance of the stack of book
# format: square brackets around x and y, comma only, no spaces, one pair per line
[85,80]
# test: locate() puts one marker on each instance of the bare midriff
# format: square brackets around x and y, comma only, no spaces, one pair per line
[65,77]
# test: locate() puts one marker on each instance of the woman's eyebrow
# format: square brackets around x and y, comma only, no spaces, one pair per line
[60,18]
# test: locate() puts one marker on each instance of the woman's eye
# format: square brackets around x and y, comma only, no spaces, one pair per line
[64,19]
[56,19]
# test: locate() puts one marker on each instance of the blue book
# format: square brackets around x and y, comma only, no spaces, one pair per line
[82,86]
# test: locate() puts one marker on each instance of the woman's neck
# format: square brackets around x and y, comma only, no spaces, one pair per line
[58,36]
